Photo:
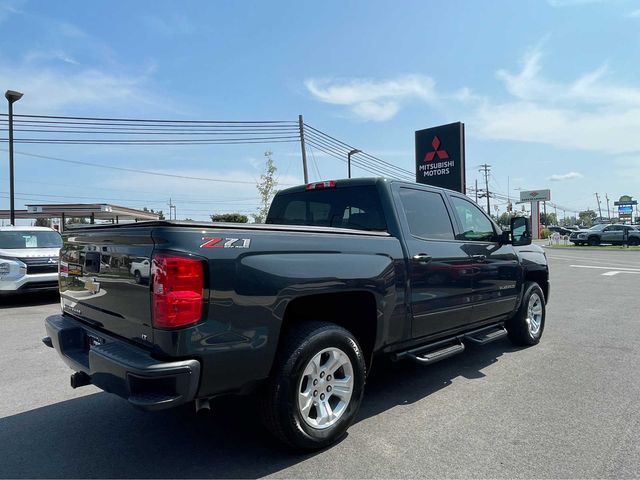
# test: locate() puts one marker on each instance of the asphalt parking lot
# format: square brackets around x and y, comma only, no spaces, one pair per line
[565,408]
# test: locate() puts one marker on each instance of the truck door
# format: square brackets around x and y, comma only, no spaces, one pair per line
[440,271]
[496,278]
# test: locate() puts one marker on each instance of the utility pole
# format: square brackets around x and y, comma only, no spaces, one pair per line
[599,206]
[606,195]
[171,207]
[304,150]
[486,169]
[476,190]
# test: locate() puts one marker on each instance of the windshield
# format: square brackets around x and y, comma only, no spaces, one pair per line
[30,239]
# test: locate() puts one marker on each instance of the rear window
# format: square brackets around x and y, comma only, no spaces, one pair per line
[30,239]
[354,207]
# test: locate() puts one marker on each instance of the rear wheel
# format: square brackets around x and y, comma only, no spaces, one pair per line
[316,388]
[137,276]
[527,325]
[633,241]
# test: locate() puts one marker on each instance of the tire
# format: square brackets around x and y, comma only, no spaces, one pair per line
[633,242]
[523,328]
[137,276]
[293,407]
[593,241]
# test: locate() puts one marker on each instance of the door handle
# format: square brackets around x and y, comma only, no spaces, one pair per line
[422,258]
[479,258]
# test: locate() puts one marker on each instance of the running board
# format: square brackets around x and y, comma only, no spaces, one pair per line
[481,338]
[448,347]
[436,355]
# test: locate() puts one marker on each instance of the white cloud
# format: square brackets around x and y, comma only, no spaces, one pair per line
[68,90]
[567,176]
[592,113]
[375,100]
[176,24]
[9,7]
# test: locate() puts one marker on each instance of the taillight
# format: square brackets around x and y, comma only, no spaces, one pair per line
[177,290]
[321,185]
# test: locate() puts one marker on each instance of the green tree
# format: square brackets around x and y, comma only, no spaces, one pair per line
[587,217]
[504,219]
[548,219]
[266,188]
[76,221]
[230,218]
[43,222]
[151,210]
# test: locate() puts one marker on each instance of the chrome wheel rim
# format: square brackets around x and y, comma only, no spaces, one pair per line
[325,388]
[534,314]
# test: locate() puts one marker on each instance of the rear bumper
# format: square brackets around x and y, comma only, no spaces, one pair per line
[118,367]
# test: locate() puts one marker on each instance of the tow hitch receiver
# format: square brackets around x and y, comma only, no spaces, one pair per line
[80,379]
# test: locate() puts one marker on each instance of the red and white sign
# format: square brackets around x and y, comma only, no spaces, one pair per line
[535,195]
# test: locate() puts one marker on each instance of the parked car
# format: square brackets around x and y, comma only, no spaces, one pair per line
[560,230]
[296,310]
[28,259]
[610,234]
[140,269]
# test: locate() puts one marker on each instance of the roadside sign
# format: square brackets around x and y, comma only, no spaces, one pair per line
[440,157]
[535,195]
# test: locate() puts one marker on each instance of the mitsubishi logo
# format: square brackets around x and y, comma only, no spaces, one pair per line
[442,154]
[52,261]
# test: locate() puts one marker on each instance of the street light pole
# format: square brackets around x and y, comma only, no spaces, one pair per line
[352,152]
[11,96]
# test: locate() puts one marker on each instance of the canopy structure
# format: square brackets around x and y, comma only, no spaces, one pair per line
[90,211]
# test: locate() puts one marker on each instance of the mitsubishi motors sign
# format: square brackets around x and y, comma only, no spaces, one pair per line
[535,195]
[440,156]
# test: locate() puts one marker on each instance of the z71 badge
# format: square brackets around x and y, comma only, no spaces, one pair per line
[219,242]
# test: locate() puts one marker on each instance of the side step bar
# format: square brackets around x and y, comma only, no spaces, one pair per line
[437,355]
[481,338]
[432,353]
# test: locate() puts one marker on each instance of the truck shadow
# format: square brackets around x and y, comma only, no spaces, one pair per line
[99,435]
[30,299]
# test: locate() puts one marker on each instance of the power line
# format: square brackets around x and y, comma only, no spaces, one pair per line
[134,170]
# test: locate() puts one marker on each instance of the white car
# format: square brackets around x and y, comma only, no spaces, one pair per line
[140,269]
[28,259]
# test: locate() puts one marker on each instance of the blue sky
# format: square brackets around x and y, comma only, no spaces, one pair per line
[549,91]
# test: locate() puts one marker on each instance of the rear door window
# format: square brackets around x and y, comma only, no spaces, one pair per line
[426,214]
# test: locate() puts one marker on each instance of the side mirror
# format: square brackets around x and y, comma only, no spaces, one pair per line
[520,231]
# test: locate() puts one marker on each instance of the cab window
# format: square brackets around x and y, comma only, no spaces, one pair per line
[475,224]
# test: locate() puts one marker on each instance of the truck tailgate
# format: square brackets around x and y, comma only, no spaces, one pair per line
[104,280]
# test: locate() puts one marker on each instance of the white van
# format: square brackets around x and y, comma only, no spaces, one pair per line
[28,259]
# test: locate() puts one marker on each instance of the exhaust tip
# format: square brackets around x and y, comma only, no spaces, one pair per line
[48,342]
[203,405]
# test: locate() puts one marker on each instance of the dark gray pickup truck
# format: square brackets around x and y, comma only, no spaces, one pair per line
[294,310]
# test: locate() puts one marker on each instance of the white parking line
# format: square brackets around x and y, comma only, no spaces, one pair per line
[622,263]
[612,271]
[616,272]
[607,268]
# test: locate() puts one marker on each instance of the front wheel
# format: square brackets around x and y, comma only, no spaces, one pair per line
[316,388]
[526,326]
[593,241]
